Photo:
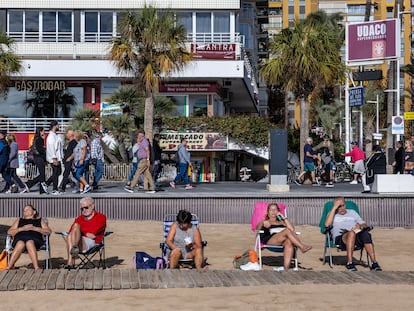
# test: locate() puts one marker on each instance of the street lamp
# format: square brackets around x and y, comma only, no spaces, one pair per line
[377,122]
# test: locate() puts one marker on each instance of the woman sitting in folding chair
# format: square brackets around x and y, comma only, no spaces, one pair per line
[27,233]
[184,241]
[279,231]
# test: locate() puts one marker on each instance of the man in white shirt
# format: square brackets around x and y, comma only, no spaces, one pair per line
[348,230]
[54,155]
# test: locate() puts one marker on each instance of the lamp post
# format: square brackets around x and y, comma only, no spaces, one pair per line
[377,121]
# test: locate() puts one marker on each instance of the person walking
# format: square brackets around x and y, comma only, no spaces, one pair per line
[97,159]
[308,165]
[357,157]
[325,159]
[398,163]
[39,159]
[13,165]
[4,158]
[81,159]
[376,164]
[68,157]
[54,155]
[156,167]
[185,163]
[144,165]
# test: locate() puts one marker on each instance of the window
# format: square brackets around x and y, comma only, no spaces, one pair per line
[203,23]
[186,20]
[98,26]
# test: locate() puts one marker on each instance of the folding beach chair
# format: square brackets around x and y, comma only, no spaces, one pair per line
[259,213]
[329,242]
[44,247]
[87,258]
[168,220]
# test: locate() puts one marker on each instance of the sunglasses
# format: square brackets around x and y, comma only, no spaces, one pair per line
[84,207]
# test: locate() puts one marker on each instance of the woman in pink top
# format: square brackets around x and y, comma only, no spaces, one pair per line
[357,157]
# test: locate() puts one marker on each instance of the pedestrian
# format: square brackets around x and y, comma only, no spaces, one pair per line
[134,163]
[54,156]
[357,157]
[144,165]
[156,167]
[97,159]
[12,166]
[308,165]
[39,159]
[81,160]
[68,157]
[185,163]
[398,164]
[408,157]
[4,157]
[325,159]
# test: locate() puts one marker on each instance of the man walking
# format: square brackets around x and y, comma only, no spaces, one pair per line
[68,159]
[54,155]
[357,157]
[144,166]
[97,159]
[185,162]
[308,166]
[156,169]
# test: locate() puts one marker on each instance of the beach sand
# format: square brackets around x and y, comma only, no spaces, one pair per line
[224,241]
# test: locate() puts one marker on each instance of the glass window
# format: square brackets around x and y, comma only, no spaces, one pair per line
[32,21]
[49,21]
[106,22]
[203,22]
[199,105]
[91,22]
[16,21]
[65,21]
[222,22]
[185,19]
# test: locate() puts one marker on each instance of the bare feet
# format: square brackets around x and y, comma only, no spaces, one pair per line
[306,248]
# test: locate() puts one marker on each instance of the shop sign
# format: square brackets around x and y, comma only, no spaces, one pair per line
[111,109]
[213,50]
[188,87]
[34,85]
[169,141]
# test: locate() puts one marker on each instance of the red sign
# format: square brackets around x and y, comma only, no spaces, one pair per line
[169,141]
[214,50]
[373,40]
[188,87]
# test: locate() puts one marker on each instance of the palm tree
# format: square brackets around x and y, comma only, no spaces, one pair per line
[305,59]
[151,46]
[47,103]
[9,62]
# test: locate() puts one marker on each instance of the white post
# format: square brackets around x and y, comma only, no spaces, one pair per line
[347,127]
[377,114]
[398,91]
[361,128]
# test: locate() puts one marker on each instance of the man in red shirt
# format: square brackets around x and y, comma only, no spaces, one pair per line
[357,157]
[87,230]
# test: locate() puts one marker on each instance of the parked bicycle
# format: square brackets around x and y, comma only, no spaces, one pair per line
[343,172]
[293,172]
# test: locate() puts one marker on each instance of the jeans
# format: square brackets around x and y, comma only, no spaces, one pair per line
[80,170]
[13,175]
[66,173]
[98,173]
[133,170]
[183,173]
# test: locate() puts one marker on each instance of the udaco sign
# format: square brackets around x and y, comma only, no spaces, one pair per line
[372,40]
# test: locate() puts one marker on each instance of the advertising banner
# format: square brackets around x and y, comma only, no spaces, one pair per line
[188,87]
[356,96]
[169,141]
[376,40]
[111,109]
[213,50]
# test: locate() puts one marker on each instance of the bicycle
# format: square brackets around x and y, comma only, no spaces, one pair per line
[293,172]
[343,172]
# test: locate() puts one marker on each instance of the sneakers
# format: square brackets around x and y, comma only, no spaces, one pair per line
[376,267]
[128,189]
[44,187]
[350,266]
[315,184]
[297,181]
[250,266]
[354,182]
[24,190]
[279,269]
[150,191]
[172,184]
[329,185]
[86,189]
[189,187]
[56,192]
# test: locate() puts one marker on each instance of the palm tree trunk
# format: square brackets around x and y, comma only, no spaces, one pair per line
[149,116]
[304,125]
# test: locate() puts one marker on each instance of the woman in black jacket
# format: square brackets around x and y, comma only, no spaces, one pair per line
[39,153]
[376,164]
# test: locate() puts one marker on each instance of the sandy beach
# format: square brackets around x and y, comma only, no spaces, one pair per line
[224,241]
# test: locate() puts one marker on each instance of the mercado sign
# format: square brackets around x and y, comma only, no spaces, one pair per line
[214,50]
[169,141]
[372,40]
[39,85]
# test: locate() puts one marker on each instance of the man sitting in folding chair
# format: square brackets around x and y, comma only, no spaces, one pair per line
[279,231]
[86,232]
[348,230]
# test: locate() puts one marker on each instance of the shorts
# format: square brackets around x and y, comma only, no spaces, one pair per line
[362,238]
[89,243]
[359,167]
[308,167]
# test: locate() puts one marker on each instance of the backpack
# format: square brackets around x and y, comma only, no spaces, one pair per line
[325,155]
[244,258]
[145,261]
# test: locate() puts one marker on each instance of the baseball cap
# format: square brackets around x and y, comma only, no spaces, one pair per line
[354,143]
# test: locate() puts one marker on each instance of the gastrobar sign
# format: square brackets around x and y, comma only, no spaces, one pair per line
[377,40]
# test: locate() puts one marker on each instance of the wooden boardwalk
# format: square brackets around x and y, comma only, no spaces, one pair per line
[110,279]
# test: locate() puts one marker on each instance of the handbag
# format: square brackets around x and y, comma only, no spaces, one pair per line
[370,176]
[32,152]
[3,260]
[409,165]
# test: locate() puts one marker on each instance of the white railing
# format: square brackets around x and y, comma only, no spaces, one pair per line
[30,124]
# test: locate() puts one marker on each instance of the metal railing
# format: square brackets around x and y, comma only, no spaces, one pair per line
[30,124]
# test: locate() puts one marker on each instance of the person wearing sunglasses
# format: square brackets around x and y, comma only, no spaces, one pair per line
[87,230]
